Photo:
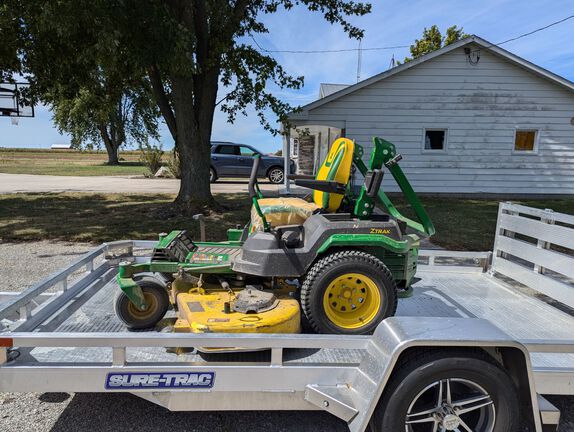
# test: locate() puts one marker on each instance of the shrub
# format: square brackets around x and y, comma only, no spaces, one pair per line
[173,164]
[151,157]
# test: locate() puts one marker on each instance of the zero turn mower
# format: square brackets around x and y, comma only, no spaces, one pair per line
[335,262]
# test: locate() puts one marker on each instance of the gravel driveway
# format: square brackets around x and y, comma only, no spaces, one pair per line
[123,412]
[15,183]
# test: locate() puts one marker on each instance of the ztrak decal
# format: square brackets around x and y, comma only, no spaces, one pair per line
[380,231]
[162,380]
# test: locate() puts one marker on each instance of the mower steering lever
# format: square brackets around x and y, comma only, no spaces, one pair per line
[255,192]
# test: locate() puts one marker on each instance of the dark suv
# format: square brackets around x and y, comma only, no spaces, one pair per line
[236,160]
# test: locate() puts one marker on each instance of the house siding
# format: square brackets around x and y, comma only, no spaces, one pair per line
[481,106]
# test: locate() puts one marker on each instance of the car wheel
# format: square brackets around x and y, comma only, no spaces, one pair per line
[212,176]
[276,175]
[448,390]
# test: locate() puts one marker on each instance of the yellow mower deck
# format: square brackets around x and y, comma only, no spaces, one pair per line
[205,313]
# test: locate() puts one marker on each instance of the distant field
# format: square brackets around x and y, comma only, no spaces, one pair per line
[67,162]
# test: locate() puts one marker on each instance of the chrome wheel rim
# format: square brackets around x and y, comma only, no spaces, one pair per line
[211,175]
[276,175]
[453,404]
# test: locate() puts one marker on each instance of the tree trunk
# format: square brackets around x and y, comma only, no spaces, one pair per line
[113,158]
[193,138]
[111,146]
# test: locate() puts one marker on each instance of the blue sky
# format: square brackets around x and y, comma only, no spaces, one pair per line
[391,23]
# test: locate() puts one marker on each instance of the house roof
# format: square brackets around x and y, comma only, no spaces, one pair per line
[484,44]
[328,89]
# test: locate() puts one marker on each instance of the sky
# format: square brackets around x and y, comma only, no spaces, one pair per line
[391,23]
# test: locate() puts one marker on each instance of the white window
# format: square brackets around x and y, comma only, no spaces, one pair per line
[526,141]
[434,140]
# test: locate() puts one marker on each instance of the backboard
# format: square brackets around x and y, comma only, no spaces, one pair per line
[13,101]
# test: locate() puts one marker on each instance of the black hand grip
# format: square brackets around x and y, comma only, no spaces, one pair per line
[253,177]
[394,160]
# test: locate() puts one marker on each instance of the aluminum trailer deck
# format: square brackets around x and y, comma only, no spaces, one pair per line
[71,340]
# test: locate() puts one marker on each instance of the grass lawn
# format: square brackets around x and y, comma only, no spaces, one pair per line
[67,162]
[462,224]
[105,217]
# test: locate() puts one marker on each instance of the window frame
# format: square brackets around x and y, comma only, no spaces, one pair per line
[444,150]
[534,150]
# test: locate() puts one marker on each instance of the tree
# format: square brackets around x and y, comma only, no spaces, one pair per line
[432,40]
[188,51]
[113,120]
[96,103]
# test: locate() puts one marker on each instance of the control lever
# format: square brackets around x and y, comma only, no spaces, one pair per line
[394,160]
[201,219]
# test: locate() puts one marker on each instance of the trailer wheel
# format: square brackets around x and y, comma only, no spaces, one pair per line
[156,297]
[448,391]
[348,292]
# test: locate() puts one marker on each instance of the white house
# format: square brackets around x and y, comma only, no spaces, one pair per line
[468,118]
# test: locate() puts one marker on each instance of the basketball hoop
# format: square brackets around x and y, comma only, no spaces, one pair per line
[13,104]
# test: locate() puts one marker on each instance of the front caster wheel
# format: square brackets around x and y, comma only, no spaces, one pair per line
[156,298]
[448,391]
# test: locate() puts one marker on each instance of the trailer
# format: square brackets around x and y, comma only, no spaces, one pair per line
[474,329]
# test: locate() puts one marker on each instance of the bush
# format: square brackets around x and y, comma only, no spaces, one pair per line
[151,157]
[173,164]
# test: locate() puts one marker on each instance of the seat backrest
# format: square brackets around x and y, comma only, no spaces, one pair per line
[337,168]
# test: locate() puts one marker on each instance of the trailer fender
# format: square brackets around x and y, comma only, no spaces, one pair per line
[396,337]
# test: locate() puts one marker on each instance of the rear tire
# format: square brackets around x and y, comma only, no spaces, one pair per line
[212,175]
[415,389]
[157,298]
[348,292]
[276,175]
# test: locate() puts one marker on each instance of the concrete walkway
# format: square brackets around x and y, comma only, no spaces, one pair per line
[14,183]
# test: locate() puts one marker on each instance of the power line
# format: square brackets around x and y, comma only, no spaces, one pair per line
[536,31]
[399,46]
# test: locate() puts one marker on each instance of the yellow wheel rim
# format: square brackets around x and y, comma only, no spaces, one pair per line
[352,301]
[152,303]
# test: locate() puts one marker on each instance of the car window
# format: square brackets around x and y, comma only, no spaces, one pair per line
[246,151]
[227,150]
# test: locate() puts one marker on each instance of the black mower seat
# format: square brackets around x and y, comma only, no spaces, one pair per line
[294,211]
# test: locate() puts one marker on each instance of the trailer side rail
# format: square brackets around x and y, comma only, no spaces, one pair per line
[43,300]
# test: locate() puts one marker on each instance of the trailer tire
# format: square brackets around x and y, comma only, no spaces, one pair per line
[415,388]
[348,292]
[158,299]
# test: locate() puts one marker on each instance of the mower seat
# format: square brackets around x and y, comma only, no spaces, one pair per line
[294,211]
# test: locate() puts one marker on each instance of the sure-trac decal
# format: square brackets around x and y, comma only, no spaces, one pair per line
[161,380]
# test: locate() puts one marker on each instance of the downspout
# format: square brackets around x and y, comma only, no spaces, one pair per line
[286,157]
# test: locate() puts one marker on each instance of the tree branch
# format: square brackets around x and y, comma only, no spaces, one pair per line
[162,100]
